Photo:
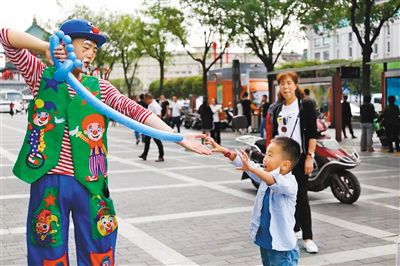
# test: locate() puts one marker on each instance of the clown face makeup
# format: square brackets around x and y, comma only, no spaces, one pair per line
[85,51]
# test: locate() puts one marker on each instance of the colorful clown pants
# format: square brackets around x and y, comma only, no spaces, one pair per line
[52,199]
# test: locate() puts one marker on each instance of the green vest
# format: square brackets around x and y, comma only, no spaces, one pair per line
[47,118]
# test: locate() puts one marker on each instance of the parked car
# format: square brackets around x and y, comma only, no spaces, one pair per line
[7,96]
[355,110]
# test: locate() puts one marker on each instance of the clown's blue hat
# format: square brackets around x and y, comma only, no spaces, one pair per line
[82,28]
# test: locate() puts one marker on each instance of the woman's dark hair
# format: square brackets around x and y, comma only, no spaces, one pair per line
[367,98]
[290,149]
[293,76]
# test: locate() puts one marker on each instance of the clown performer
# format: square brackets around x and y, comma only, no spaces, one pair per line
[64,155]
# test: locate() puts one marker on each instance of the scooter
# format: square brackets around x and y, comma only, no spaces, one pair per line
[331,165]
[227,121]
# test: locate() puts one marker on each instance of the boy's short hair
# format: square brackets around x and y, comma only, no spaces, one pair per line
[290,149]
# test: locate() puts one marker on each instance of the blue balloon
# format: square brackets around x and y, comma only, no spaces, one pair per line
[63,72]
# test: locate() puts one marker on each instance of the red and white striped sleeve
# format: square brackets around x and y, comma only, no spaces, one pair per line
[30,67]
[113,98]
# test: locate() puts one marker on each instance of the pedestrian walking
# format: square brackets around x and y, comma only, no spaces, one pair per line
[308,97]
[391,121]
[346,118]
[164,109]
[367,113]
[176,109]
[11,106]
[265,104]
[155,108]
[206,116]
[216,110]
[246,108]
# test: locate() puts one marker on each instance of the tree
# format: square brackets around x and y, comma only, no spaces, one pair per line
[122,32]
[208,15]
[154,36]
[265,25]
[366,18]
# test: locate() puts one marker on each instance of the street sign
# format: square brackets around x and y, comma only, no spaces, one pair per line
[350,72]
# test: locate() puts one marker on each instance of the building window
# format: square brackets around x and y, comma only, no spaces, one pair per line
[317,56]
[375,50]
[326,55]
[388,30]
[388,47]
[337,53]
[350,51]
[317,42]
[325,41]
[337,39]
[350,36]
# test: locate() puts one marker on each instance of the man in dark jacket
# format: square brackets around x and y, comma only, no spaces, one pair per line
[391,122]
[367,113]
[246,105]
[346,117]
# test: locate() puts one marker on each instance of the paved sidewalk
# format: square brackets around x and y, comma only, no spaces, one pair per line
[194,210]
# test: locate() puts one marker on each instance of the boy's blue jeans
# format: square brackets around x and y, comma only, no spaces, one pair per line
[272,257]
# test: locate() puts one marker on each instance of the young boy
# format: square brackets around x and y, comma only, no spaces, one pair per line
[272,221]
[64,155]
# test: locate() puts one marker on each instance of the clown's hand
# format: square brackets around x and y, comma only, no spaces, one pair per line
[190,141]
[74,131]
[58,120]
[59,53]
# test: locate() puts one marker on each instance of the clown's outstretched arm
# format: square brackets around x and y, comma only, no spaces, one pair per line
[190,141]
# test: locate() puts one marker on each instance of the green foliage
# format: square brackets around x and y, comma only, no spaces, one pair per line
[120,84]
[366,18]
[264,24]
[181,87]
[153,37]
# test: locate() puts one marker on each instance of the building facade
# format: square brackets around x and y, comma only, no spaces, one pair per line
[342,43]
[182,65]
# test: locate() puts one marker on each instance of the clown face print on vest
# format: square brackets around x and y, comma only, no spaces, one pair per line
[93,127]
[42,122]
[44,227]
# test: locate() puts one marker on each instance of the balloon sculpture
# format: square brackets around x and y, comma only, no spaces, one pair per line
[64,73]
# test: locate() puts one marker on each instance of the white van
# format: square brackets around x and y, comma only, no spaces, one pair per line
[376,100]
[7,96]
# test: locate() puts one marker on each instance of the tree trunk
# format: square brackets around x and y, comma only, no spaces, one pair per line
[204,81]
[366,71]
[161,88]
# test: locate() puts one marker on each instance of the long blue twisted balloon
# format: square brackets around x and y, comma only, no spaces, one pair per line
[63,72]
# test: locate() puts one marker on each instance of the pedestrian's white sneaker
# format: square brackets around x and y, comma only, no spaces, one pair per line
[298,234]
[310,246]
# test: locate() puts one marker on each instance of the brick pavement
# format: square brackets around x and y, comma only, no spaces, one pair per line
[197,210]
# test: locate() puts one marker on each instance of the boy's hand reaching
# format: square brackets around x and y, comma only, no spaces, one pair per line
[215,146]
[245,161]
